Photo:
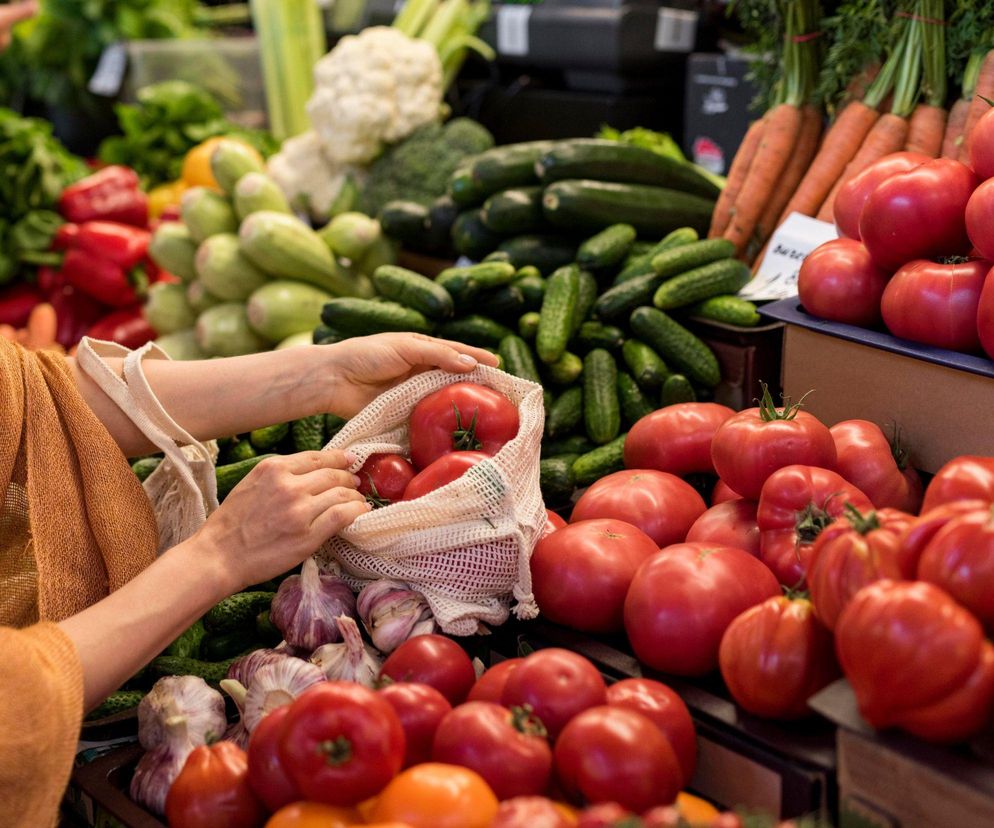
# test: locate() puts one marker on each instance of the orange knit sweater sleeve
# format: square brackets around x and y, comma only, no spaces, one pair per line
[41,709]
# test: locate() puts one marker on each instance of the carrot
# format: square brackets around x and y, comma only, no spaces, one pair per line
[926,128]
[783,123]
[888,135]
[8,332]
[978,106]
[954,128]
[736,177]
[841,143]
[800,159]
[41,326]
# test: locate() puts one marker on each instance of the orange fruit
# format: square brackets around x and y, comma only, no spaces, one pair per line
[435,795]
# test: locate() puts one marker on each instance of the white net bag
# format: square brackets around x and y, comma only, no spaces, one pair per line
[466,546]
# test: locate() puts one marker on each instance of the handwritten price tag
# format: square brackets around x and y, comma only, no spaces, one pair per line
[791,243]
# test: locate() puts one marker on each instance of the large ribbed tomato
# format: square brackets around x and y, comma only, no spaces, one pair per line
[963,478]
[866,458]
[925,527]
[675,439]
[852,195]
[732,523]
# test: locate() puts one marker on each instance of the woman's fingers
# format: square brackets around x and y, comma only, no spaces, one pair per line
[304,462]
[448,355]
[336,517]
[321,480]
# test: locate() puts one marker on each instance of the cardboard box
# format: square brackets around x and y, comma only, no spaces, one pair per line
[891,780]
[940,399]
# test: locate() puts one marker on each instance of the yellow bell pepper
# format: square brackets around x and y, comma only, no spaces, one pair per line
[164,196]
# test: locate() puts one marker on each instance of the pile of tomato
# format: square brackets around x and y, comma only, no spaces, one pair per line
[916,250]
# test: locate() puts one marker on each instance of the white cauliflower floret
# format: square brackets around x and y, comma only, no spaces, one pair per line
[373,88]
[310,180]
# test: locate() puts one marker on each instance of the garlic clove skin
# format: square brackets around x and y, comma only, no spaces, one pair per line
[351,660]
[306,605]
[159,767]
[236,732]
[188,696]
[277,684]
[243,669]
[393,613]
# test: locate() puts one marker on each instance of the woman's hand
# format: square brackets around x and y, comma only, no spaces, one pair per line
[281,513]
[362,368]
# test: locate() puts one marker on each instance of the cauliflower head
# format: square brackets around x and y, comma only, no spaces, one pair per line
[372,89]
[310,180]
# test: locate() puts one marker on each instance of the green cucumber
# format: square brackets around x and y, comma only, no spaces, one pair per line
[602,461]
[212,672]
[187,645]
[556,479]
[144,467]
[441,216]
[598,335]
[730,310]
[677,345]
[484,275]
[601,408]
[532,287]
[228,644]
[607,248]
[265,439]
[513,212]
[604,160]
[230,475]
[677,389]
[241,450]
[652,211]
[332,425]
[586,297]
[647,368]
[528,325]
[266,630]
[497,169]
[676,260]
[725,276]
[621,299]
[404,221]
[643,264]
[566,370]
[517,358]
[634,404]
[576,444]
[565,414]
[562,294]
[497,256]
[236,611]
[307,433]
[413,290]
[117,702]
[323,335]
[504,302]
[544,252]
[358,317]
[471,237]
[475,330]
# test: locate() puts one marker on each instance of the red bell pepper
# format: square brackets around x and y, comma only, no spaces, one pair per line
[113,194]
[50,280]
[75,314]
[121,244]
[66,236]
[100,278]
[16,304]
[127,327]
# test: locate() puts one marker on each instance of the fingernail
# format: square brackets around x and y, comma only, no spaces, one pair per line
[369,506]
[466,359]
[357,479]
[351,457]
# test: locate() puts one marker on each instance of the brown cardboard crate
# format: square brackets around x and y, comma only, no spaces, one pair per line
[101,786]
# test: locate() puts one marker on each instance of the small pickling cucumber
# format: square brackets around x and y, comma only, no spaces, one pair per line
[516,355]
[559,307]
[646,366]
[601,408]
[607,248]
[565,414]
[677,345]
[634,404]
[600,462]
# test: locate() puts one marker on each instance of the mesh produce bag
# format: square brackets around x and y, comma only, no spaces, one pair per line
[467,545]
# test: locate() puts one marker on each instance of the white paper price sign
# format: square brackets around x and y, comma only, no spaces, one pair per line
[791,243]
[512,30]
[109,74]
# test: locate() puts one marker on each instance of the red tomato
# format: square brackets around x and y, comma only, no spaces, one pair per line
[796,504]
[341,743]
[610,754]
[980,144]
[918,214]
[552,522]
[420,708]
[722,493]
[384,477]
[936,304]
[681,601]
[530,812]
[490,686]
[508,748]
[265,767]
[557,684]
[580,574]
[732,523]
[660,504]
[960,559]
[916,660]
[756,442]
[980,219]
[963,478]
[433,660]
[851,552]
[666,710]
[852,196]
[213,791]
[985,316]
[442,472]
[839,281]
[866,458]
[921,531]
[461,417]
[675,439]
[776,656]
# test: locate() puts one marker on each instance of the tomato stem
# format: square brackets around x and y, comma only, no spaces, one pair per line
[863,524]
[811,521]
[768,411]
[524,720]
[901,455]
[337,751]
[464,439]
[374,498]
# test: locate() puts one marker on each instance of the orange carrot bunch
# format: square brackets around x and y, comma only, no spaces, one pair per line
[39,333]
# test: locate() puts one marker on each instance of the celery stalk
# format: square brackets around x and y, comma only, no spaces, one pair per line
[413,17]
[449,16]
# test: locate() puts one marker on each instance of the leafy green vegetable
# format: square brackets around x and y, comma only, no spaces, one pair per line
[659,142]
[169,119]
[969,36]
[861,32]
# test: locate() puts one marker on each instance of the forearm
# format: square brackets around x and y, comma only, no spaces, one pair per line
[117,636]
[219,397]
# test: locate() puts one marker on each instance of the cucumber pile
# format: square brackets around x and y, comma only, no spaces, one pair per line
[602,332]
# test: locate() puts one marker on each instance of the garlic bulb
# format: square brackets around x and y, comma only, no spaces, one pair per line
[351,660]
[277,684]
[392,613]
[306,606]
[159,767]
[187,696]
[243,669]
[236,732]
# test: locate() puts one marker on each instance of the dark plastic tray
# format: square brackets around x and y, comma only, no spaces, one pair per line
[106,779]
[792,312]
